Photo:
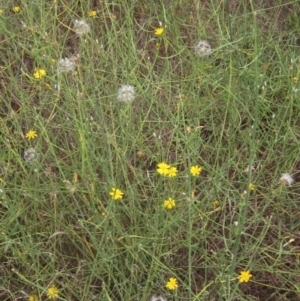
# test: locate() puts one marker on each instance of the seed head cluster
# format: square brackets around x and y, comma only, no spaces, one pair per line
[126,93]
[66,65]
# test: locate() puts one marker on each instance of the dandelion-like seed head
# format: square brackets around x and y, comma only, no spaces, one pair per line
[126,93]
[81,27]
[158,298]
[52,292]
[287,179]
[30,155]
[66,65]
[202,48]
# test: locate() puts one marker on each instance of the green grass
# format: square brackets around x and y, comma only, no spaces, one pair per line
[237,108]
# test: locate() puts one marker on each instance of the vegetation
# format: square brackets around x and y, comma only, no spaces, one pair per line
[150,148]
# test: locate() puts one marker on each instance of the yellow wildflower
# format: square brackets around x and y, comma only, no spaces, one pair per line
[163,168]
[1,11]
[31,134]
[33,298]
[172,284]
[16,9]
[195,170]
[216,203]
[40,73]
[92,13]
[52,292]
[116,194]
[172,172]
[295,79]
[245,276]
[169,203]
[251,187]
[159,31]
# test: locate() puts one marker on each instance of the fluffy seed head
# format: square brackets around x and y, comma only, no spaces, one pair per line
[202,48]
[158,298]
[126,93]
[81,27]
[30,155]
[287,179]
[66,65]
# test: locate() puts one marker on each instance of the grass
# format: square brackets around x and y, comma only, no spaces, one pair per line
[235,113]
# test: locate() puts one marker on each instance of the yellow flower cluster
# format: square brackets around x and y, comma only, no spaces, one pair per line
[165,169]
[39,73]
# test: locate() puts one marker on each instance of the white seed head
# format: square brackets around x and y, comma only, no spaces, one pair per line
[81,27]
[30,155]
[126,93]
[202,48]
[66,65]
[158,298]
[287,179]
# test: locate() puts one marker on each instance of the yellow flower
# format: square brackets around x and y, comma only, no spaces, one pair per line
[295,79]
[159,31]
[92,13]
[31,134]
[33,298]
[163,168]
[251,187]
[16,9]
[172,172]
[40,73]
[245,276]
[169,203]
[172,284]
[216,203]
[52,292]
[1,11]
[195,170]
[116,194]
